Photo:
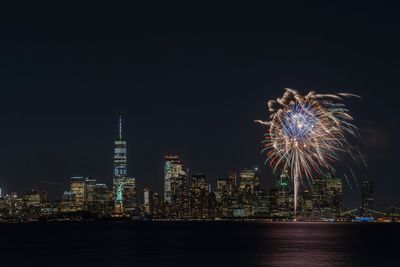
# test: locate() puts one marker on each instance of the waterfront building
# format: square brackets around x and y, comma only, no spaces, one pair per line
[101,205]
[4,209]
[32,199]
[222,185]
[49,209]
[158,208]
[333,196]
[222,198]
[176,187]
[281,198]
[261,204]
[14,204]
[90,185]
[248,184]
[232,183]
[198,197]
[248,180]
[212,205]
[120,171]
[367,198]
[307,204]
[175,179]
[324,199]
[68,203]
[124,188]
[78,187]
[129,195]
[32,205]
[147,201]
[318,191]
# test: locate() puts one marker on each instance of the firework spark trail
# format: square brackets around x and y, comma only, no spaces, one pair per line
[347,179]
[307,134]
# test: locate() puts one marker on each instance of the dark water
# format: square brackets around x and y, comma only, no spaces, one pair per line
[199,244]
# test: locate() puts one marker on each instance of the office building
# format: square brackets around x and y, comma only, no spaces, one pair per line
[78,187]
[198,197]
[281,198]
[124,187]
[333,196]
[68,203]
[248,180]
[101,205]
[147,202]
[175,187]
[90,185]
[367,198]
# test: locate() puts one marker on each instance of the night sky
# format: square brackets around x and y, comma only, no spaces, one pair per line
[188,79]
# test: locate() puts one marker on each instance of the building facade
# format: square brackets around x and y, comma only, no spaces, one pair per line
[176,195]
[367,198]
[124,187]
[79,188]
[199,197]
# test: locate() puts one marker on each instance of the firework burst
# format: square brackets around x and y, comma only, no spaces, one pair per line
[307,134]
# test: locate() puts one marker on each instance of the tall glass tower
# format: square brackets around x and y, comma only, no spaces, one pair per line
[120,156]
[174,177]
[124,187]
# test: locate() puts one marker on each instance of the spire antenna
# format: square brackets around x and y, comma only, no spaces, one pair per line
[120,127]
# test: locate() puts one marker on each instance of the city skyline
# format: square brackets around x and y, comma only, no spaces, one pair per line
[190,196]
[184,87]
[189,133]
[176,181]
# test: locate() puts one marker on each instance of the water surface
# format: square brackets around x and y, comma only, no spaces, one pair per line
[199,244]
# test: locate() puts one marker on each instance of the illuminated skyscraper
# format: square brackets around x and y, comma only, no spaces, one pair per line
[175,178]
[261,203]
[199,197]
[175,187]
[307,203]
[232,182]
[248,180]
[147,201]
[157,212]
[333,196]
[78,187]
[221,191]
[90,185]
[318,196]
[222,198]
[249,183]
[120,155]
[68,202]
[129,195]
[32,199]
[281,198]
[31,206]
[123,186]
[100,204]
[173,168]
[367,198]
[323,199]
[222,184]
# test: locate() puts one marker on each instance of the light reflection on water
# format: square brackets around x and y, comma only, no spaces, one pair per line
[199,244]
[305,244]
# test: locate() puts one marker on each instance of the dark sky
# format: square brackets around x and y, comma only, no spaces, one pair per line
[188,79]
